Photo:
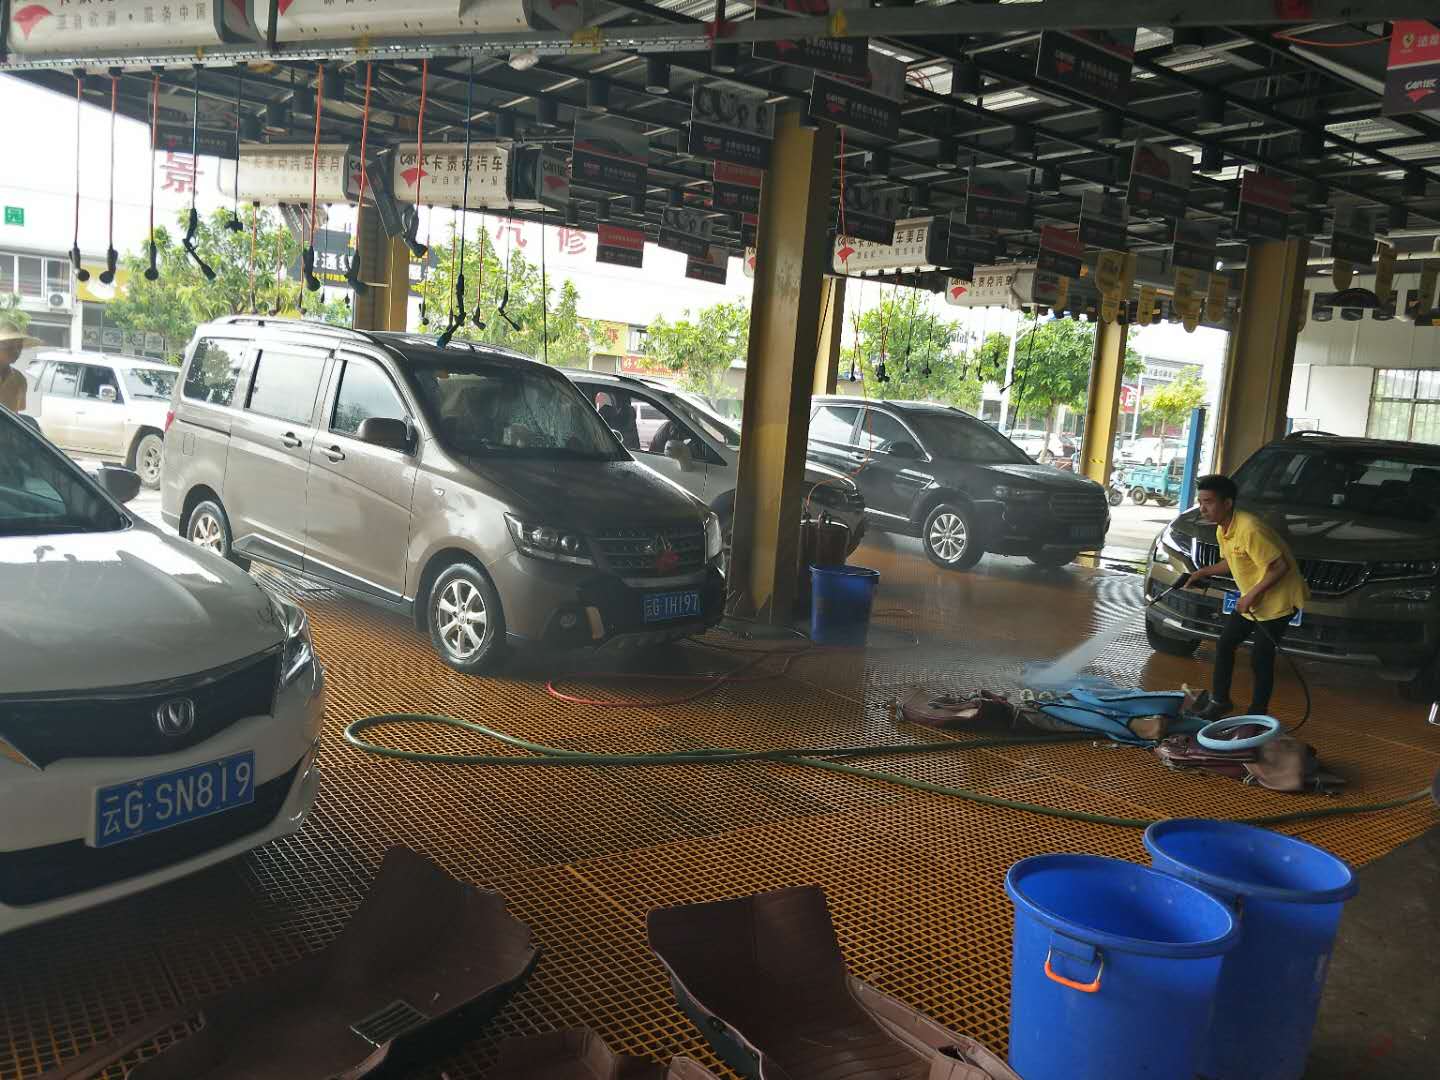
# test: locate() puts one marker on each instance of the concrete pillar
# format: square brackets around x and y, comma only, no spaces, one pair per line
[385,265]
[832,327]
[791,259]
[1256,388]
[1102,404]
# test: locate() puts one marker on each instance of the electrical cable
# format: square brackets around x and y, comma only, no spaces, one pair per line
[544,295]
[308,258]
[1312,44]
[112,257]
[352,272]
[234,224]
[484,239]
[457,314]
[152,272]
[76,266]
[192,226]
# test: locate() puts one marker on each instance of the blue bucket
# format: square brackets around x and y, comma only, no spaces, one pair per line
[1114,969]
[840,601]
[1288,895]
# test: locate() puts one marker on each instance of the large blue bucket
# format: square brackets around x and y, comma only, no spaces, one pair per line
[840,601]
[1114,969]
[1288,896]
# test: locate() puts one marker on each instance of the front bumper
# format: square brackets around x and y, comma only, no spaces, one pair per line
[48,866]
[1024,526]
[569,607]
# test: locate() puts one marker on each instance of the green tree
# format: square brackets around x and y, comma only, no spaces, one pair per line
[1171,404]
[12,315]
[1052,367]
[922,353]
[181,297]
[701,350]
[488,284]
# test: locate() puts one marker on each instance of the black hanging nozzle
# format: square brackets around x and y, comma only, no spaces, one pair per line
[192,228]
[112,262]
[152,272]
[880,373]
[352,278]
[308,264]
[81,274]
[235,224]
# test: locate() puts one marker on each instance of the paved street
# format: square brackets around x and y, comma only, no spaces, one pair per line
[1134,528]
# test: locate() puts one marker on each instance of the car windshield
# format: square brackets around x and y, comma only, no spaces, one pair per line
[1379,483]
[485,408]
[41,493]
[958,438]
[150,384]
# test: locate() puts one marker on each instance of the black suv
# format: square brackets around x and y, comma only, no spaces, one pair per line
[957,483]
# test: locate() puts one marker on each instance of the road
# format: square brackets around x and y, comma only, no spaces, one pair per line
[1133,529]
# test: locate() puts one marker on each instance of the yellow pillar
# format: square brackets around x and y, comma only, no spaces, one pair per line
[792,256]
[1102,405]
[1256,388]
[385,265]
[832,325]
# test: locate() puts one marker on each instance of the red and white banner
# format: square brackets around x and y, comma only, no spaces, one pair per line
[1412,77]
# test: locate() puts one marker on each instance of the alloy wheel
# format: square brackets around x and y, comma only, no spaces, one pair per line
[948,537]
[461,618]
[148,465]
[207,532]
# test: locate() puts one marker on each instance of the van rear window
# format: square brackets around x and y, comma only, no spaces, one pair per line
[214,371]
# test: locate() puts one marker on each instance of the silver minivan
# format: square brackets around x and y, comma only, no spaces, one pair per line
[469,486]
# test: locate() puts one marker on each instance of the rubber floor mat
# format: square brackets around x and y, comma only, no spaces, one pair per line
[764,980]
[580,1054]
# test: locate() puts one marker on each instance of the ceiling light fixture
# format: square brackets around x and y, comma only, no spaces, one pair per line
[1187,40]
[1112,127]
[524,60]
[597,94]
[657,75]
[945,153]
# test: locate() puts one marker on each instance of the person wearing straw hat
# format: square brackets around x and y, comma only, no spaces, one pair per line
[12,384]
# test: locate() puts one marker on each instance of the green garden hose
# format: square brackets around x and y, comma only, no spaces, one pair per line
[815,758]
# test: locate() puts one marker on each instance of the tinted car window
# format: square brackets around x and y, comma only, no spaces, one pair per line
[285,384]
[93,377]
[365,393]
[214,371]
[150,384]
[833,423]
[64,378]
[879,431]
[959,438]
[1353,480]
[41,493]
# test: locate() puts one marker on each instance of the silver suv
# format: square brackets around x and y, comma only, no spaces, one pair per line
[470,487]
[110,406]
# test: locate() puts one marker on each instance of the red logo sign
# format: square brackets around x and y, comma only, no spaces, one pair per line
[412,176]
[27,17]
[844,253]
[957,290]
[668,561]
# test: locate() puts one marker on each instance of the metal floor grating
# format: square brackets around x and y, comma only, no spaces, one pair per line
[914,880]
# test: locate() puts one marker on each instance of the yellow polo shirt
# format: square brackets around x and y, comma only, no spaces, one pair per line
[1250,546]
[12,389]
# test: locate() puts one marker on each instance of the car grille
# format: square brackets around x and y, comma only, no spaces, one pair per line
[1078,509]
[1326,577]
[35,875]
[121,723]
[634,552]
[1312,629]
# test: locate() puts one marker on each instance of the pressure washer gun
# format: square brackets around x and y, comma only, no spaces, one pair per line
[1180,583]
[192,229]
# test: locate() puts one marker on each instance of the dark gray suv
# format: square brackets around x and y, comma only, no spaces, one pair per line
[942,475]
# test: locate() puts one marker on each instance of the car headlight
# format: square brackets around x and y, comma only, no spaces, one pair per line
[549,542]
[1389,571]
[714,538]
[1176,543]
[1004,491]
[297,655]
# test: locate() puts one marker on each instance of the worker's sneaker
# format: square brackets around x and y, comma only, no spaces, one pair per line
[1208,709]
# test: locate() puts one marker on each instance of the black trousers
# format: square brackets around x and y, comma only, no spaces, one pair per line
[1262,658]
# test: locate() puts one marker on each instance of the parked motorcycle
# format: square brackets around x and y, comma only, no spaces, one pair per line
[1115,491]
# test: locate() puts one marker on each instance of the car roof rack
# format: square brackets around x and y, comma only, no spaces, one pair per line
[305,325]
[1308,433]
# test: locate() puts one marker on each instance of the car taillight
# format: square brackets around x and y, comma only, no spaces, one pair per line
[169,418]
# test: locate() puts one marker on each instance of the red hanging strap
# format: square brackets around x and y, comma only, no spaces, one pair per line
[114,104]
[364,132]
[154,125]
[315,152]
[420,134]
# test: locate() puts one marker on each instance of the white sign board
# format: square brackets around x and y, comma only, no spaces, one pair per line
[992,286]
[283,174]
[908,250]
[327,20]
[104,27]
[440,181]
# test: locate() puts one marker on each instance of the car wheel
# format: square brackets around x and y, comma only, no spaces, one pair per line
[950,537]
[467,625]
[1170,646]
[149,458]
[209,528]
[1138,496]
[1053,560]
[1115,497]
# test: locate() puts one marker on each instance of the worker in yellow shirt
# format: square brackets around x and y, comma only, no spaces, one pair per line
[12,383]
[1271,586]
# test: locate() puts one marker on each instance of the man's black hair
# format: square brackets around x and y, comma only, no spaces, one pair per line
[1220,484]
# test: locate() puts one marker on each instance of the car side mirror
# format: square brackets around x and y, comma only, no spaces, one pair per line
[122,485]
[904,449]
[107,393]
[386,432]
[679,450]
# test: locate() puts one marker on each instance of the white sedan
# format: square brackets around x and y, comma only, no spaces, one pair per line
[159,709]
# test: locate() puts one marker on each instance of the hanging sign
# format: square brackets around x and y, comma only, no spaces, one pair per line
[1113,271]
[987,286]
[735,188]
[176,124]
[845,56]
[326,20]
[685,229]
[1191,287]
[730,125]
[611,154]
[1425,300]
[713,266]
[969,245]
[870,213]
[282,174]
[1145,310]
[1353,238]
[1096,63]
[913,246]
[1385,275]
[747,264]
[1215,297]
[854,107]
[1104,221]
[1265,204]
[1412,76]
[619,245]
[1060,251]
[998,199]
[750,230]
[1049,289]
[1159,180]
[440,179]
[1195,244]
[539,178]
[78,29]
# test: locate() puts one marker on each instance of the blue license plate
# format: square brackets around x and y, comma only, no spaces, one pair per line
[125,811]
[665,606]
[1227,606]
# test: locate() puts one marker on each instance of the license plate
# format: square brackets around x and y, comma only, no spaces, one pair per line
[662,607]
[1084,532]
[1231,598]
[137,807]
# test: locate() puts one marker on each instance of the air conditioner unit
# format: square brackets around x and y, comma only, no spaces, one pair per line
[59,299]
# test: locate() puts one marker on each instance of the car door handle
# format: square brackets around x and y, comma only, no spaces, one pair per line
[334,453]
[289,439]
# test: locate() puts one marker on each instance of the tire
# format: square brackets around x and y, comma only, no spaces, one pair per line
[1115,497]
[1053,560]
[1138,496]
[1425,686]
[149,458]
[951,538]
[461,602]
[1168,645]
[208,527]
